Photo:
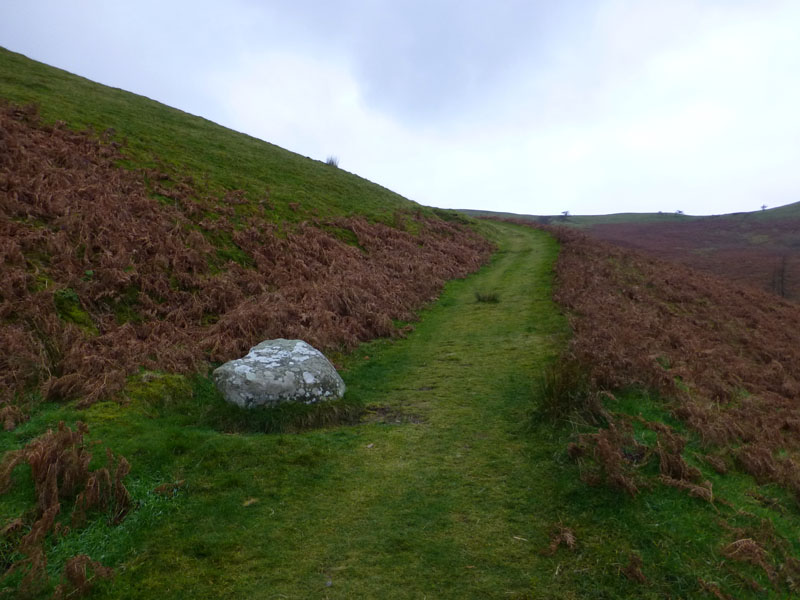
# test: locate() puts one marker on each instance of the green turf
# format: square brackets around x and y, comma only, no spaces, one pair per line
[218,159]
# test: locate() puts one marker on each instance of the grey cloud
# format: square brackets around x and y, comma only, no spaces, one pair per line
[426,60]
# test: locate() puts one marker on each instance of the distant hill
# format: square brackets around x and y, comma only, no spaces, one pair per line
[585,220]
[760,249]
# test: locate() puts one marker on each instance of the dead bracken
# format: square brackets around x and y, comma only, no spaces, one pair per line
[59,464]
[561,536]
[728,355]
[106,270]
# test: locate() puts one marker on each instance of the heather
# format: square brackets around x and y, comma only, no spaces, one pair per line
[728,355]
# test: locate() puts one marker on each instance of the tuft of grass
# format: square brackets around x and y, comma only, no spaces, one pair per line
[487,297]
[211,410]
[564,391]
[332,161]
[59,464]
[196,401]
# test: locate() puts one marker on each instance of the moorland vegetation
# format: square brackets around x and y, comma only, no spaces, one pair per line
[760,249]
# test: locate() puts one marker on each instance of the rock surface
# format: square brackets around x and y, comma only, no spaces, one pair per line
[277,371]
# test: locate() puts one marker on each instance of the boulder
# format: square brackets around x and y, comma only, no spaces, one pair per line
[277,371]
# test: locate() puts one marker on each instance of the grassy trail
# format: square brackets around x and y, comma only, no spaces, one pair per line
[434,496]
[441,503]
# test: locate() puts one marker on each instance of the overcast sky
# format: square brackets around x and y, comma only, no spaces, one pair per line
[591,106]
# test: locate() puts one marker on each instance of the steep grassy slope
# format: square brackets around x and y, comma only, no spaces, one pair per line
[217,158]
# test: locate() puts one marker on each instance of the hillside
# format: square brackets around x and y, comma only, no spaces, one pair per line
[725,360]
[583,221]
[678,379]
[135,238]
[759,249]
[107,269]
[219,160]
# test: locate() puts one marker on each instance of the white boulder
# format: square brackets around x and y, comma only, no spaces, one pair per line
[277,371]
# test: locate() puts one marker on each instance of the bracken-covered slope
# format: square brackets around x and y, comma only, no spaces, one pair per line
[134,236]
[687,374]
[107,268]
[760,249]
[219,159]
[729,355]
[757,249]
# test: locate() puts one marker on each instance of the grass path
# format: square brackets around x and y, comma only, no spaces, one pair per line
[443,502]
[434,496]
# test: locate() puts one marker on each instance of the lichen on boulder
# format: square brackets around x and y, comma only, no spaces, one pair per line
[278,371]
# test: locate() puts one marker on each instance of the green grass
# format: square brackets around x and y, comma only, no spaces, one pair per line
[68,307]
[217,158]
[679,538]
